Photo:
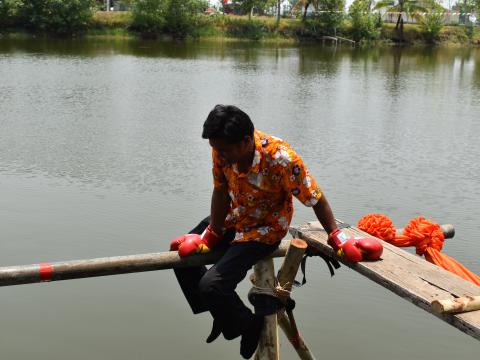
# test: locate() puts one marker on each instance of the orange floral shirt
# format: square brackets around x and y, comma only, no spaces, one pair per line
[261,207]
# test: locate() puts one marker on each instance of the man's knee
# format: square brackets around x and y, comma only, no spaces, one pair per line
[209,284]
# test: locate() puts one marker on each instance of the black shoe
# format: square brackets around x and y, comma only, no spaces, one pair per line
[216,331]
[250,338]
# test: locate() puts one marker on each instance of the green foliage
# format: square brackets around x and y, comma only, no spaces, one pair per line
[453,35]
[56,16]
[149,16]
[177,17]
[469,30]
[244,28]
[121,20]
[365,25]
[246,6]
[331,15]
[8,12]
[409,7]
[431,25]
[311,29]
[181,15]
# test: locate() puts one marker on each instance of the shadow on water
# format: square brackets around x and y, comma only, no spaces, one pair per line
[91,47]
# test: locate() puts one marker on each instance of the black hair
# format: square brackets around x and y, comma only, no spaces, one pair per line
[227,122]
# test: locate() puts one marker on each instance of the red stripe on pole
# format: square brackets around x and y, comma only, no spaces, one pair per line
[46,272]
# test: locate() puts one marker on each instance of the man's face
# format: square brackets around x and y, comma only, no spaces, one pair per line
[231,153]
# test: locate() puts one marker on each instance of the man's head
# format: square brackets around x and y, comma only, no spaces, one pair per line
[230,132]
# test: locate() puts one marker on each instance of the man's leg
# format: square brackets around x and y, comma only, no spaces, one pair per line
[218,284]
[188,278]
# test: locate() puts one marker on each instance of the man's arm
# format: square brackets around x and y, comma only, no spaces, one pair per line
[219,208]
[325,215]
[195,243]
[352,249]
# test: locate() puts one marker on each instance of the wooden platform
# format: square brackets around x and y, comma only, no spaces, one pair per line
[337,39]
[409,276]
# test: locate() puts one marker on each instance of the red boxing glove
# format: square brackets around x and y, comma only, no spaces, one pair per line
[358,249]
[336,238]
[175,243]
[355,249]
[195,244]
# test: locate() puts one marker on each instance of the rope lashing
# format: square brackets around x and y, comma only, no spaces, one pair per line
[280,292]
[425,235]
[286,303]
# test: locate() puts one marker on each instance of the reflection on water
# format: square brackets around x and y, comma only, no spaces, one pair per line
[101,154]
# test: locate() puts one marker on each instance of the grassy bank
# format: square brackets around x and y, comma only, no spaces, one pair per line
[234,28]
[448,36]
[291,30]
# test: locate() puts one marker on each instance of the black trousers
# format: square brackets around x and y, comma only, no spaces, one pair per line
[214,289]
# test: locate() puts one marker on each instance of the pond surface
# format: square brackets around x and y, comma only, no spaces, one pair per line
[101,155]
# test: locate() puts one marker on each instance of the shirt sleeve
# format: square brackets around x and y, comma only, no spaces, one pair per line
[299,182]
[217,170]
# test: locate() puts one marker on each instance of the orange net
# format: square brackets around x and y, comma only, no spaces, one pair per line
[426,236]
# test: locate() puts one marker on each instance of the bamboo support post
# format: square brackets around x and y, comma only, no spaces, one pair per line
[457,305]
[268,345]
[286,277]
[295,339]
[291,263]
[76,269]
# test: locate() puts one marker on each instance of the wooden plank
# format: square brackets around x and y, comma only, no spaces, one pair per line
[347,40]
[405,274]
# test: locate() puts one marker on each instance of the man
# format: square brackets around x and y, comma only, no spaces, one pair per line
[254,177]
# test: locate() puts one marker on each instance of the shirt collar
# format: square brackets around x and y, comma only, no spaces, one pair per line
[257,156]
[258,152]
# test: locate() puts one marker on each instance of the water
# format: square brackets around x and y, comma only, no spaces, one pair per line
[101,155]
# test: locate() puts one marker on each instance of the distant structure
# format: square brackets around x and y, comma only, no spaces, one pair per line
[116,5]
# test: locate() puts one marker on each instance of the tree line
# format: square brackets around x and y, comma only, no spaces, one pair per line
[181,18]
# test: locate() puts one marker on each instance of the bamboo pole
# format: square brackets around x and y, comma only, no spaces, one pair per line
[448,230]
[295,339]
[457,305]
[291,263]
[76,269]
[286,277]
[264,277]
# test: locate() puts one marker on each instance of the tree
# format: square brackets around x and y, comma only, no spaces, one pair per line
[247,6]
[149,16]
[431,25]
[305,4]
[57,16]
[8,12]
[365,25]
[180,16]
[177,17]
[331,14]
[409,7]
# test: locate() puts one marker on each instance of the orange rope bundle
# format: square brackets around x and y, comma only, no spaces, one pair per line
[426,236]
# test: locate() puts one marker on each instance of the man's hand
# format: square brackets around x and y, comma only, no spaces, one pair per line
[189,244]
[354,249]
